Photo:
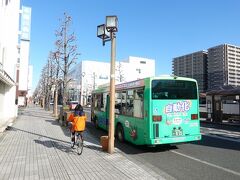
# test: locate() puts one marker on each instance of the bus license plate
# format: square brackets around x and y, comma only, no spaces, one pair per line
[177,132]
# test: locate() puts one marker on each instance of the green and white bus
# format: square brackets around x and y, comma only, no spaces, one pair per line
[151,111]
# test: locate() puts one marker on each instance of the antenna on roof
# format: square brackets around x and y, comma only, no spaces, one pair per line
[174,76]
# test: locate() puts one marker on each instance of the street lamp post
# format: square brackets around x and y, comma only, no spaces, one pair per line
[107,33]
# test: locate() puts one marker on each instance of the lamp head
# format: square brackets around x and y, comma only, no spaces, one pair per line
[102,32]
[112,23]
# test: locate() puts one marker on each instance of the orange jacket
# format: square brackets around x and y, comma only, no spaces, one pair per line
[78,122]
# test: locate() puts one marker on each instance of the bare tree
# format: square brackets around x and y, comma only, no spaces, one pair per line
[67,49]
[50,79]
[42,86]
[45,84]
[119,69]
[56,80]
[37,94]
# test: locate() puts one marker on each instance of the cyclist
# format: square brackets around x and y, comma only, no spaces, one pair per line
[77,122]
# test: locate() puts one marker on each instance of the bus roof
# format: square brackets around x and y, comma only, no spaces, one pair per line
[139,83]
[173,77]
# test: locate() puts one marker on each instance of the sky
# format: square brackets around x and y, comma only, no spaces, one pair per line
[155,29]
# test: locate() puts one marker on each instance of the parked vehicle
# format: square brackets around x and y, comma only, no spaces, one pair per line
[72,104]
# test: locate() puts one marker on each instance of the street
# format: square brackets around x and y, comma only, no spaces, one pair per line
[216,156]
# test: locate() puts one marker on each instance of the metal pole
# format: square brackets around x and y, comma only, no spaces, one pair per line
[112,96]
[238,108]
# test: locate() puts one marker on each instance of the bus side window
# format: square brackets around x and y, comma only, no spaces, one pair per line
[103,102]
[118,102]
[96,101]
[130,105]
[99,102]
[124,103]
[138,103]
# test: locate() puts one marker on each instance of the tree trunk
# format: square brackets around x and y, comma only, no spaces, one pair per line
[55,110]
[43,102]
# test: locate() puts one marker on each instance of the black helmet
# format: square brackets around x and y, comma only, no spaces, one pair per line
[78,108]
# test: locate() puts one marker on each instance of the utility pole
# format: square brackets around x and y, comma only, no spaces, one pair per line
[107,33]
[112,95]
[94,82]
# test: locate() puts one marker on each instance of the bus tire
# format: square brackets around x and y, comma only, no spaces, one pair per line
[120,133]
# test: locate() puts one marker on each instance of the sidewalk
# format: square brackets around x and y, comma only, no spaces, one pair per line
[37,147]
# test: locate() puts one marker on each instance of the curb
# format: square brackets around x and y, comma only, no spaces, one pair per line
[219,123]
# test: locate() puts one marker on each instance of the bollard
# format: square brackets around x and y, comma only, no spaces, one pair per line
[104,142]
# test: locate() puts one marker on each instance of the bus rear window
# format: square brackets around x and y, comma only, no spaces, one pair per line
[173,89]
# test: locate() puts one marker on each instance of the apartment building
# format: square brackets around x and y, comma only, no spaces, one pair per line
[194,66]
[223,66]
[88,75]
[9,23]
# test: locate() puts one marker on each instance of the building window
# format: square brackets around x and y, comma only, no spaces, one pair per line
[139,70]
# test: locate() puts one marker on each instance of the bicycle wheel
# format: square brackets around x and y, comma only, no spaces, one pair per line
[79,144]
[72,139]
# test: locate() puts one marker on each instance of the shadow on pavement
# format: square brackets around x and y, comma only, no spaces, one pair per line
[54,144]
[50,141]
[62,145]
[126,147]
[93,147]
[17,129]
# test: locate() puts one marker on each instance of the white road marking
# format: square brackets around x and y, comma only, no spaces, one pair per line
[221,134]
[221,131]
[224,138]
[207,163]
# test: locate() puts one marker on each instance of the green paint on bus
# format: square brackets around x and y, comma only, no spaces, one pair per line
[151,111]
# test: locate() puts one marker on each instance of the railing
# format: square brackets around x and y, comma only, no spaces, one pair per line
[6,75]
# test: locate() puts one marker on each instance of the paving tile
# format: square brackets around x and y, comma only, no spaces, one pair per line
[37,147]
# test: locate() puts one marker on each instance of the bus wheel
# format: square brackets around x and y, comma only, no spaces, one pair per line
[120,133]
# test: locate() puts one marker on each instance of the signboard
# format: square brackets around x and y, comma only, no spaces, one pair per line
[129,85]
[25,23]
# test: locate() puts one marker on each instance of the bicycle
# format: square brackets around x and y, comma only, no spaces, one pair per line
[79,142]
[77,126]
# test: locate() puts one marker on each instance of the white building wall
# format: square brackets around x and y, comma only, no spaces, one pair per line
[9,24]
[30,72]
[93,73]
[138,68]
[141,67]
[9,102]
[98,73]
[23,69]
[24,48]
[2,100]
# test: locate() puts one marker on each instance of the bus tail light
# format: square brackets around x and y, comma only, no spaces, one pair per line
[194,116]
[157,118]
